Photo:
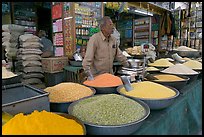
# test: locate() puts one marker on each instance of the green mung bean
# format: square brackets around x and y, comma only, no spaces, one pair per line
[110,109]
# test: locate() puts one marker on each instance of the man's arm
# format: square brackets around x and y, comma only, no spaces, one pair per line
[89,56]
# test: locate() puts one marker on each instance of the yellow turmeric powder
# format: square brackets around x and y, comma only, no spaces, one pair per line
[161,63]
[104,80]
[150,90]
[166,77]
[41,123]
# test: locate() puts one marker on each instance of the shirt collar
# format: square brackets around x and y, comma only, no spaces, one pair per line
[103,37]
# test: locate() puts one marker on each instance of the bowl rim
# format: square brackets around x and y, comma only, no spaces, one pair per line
[143,104]
[152,99]
[99,87]
[185,79]
[181,74]
[93,90]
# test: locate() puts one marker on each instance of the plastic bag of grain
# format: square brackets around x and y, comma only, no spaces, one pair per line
[31,45]
[29,38]
[31,63]
[33,69]
[32,81]
[32,75]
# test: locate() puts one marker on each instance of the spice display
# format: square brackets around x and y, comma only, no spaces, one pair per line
[152,69]
[150,90]
[68,92]
[110,109]
[7,74]
[193,64]
[104,80]
[166,77]
[41,123]
[161,63]
[179,69]
[184,48]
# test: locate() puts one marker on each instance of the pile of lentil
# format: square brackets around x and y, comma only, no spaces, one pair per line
[68,92]
[41,123]
[179,69]
[152,69]
[110,109]
[161,63]
[166,77]
[150,90]
[104,80]
[193,64]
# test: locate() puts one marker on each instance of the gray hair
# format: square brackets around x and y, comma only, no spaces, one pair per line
[103,21]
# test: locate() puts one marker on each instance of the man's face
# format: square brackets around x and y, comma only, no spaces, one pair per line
[109,28]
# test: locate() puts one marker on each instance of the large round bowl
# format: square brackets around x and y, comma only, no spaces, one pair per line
[74,118]
[12,80]
[104,90]
[63,106]
[154,104]
[192,77]
[125,129]
[189,54]
[176,84]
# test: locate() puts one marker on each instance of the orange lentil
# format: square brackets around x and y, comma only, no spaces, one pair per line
[104,80]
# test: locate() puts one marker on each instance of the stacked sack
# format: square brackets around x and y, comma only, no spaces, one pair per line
[29,59]
[10,35]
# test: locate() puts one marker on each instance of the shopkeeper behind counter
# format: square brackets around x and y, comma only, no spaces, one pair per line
[102,49]
[47,45]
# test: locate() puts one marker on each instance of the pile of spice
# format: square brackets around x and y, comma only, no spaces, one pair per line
[193,64]
[110,109]
[152,69]
[179,69]
[161,63]
[68,92]
[104,80]
[41,123]
[149,90]
[166,77]
[7,74]
[184,48]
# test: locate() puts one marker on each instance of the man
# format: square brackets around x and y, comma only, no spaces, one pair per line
[101,51]
[47,45]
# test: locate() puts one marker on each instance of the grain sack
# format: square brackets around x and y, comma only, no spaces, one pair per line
[4,39]
[32,81]
[31,63]
[32,75]
[30,57]
[31,45]
[33,69]
[6,34]
[30,51]
[13,27]
[29,38]
[9,44]
[184,48]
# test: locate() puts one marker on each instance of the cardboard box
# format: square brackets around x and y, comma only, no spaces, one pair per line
[54,64]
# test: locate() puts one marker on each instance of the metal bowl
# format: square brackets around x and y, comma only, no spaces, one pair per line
[189,54]
[192,77]
[105,90]
[12,80]
[125,129]
[135,63]
[76,63]
[155,104]
[176,84]
[62,106]
[74,118]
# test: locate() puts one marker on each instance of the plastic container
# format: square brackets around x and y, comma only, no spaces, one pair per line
[21,98]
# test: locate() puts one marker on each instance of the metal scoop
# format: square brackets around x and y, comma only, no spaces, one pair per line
[126,83]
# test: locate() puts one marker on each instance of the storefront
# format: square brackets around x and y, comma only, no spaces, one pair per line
[162,42]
